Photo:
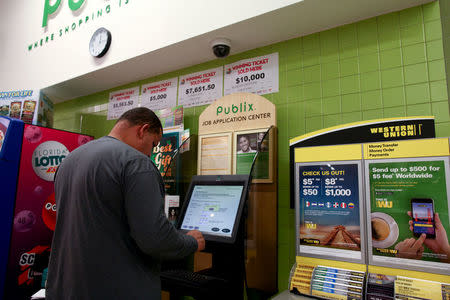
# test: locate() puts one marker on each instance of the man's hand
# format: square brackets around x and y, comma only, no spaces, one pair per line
[199,237]
[439,244]
[411,248]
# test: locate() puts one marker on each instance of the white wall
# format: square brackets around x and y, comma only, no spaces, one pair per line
[139,27]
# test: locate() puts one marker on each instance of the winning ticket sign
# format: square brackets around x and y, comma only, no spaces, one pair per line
[258,75]
[200,88]
[121,101]
[159,95]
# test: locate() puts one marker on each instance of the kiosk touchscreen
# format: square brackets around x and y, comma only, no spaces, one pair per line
[214,205]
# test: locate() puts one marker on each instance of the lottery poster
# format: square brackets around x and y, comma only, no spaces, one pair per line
[258,75]
[200,88]
[329,210]
[159,95]
[121,101]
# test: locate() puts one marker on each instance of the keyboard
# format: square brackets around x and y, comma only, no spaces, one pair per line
[190,278]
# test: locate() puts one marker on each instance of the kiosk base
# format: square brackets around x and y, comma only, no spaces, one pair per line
[225,280]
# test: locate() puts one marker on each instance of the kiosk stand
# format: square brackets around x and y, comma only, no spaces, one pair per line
[214,205]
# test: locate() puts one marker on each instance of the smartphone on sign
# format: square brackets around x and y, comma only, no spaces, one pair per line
[422,214]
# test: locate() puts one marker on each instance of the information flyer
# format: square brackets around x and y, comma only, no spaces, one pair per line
[409,216]
[258,75]
[121,101]
[329,208]
[215,156]
[411,288]
[200,88]
[160,95]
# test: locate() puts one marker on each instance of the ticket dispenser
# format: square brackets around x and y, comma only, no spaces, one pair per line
[214,205]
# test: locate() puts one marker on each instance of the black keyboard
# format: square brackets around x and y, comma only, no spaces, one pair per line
[190,278]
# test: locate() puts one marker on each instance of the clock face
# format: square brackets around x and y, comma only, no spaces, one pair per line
[100,42]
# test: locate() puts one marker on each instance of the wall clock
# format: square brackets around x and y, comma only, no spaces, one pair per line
[100,42]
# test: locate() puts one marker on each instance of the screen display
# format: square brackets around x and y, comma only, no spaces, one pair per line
[4,123]
[212,209]
[423,217]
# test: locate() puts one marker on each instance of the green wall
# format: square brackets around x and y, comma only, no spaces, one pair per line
[445,19]
[388,66]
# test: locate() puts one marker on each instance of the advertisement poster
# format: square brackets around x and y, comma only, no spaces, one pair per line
[30,106]
[121,101]
[171,118]
[246,149]
[160,95]
[200,88]
[250,144]
[329,210]
[162,157]
[258,75]
[409,219]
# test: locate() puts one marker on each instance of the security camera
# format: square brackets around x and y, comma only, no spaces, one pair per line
[221,47]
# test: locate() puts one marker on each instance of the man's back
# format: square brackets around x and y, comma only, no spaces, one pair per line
[111,230]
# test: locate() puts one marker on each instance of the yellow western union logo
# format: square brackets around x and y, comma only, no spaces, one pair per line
[385,204]
[396,131]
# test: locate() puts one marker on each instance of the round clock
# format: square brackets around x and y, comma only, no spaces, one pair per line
[100,42]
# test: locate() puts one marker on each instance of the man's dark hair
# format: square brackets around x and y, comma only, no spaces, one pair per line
[140,116]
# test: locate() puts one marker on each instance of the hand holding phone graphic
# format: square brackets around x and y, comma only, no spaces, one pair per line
[439,242]
[422,214]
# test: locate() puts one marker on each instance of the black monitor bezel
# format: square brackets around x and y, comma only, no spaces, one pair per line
[242,180]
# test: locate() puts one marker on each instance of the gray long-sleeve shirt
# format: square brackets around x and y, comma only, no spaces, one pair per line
[111,231]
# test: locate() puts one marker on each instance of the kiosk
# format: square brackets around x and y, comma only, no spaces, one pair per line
[214,205]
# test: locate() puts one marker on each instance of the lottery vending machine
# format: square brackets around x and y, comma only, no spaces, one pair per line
[29,157]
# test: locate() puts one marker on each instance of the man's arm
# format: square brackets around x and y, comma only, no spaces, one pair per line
[149,227]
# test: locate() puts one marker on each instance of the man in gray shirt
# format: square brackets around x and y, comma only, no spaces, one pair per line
[111,231]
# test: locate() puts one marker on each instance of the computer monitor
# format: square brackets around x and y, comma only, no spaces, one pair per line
[214,205]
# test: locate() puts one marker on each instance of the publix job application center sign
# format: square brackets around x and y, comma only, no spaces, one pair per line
[240,111]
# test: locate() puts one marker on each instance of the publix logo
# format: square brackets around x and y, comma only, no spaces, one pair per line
[242,107]
[47,157]
[52,8]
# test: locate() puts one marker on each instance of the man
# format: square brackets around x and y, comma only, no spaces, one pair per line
[111,231]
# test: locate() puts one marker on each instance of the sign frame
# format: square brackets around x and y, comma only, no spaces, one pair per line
[362,216]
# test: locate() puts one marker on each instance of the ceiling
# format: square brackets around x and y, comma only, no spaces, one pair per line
[296,20]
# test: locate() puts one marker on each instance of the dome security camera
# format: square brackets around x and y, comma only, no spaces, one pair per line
[221,47]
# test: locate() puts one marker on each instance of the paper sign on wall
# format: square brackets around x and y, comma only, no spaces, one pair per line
[121,101]
[160,95]
[257,75]
[200,88]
